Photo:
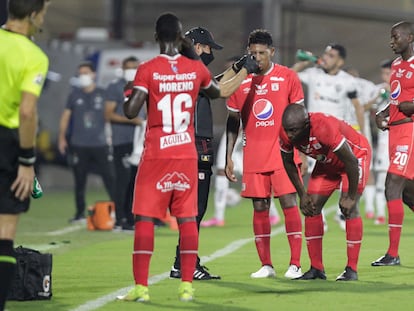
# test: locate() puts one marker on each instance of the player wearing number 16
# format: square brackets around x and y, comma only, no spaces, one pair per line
[167,175]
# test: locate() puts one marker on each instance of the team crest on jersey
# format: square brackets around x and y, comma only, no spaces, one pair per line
[261,89]
[395,89]
[174,67]
[409,75]
[275,87]
[174,181]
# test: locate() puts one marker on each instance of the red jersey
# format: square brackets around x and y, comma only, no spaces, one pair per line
[172,84]
[327,135]
[261,100]
[402,86]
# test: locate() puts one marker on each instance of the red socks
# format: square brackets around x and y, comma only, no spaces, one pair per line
[261,228]
[353,241]
[395,221]
[143,248]
[188,249]
[314,235]
[293,226]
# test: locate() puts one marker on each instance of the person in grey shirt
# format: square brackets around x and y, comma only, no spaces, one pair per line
[122,141]
[86,143]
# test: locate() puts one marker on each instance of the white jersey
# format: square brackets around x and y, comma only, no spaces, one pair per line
[329,93]
[366,91]
[237,155]
[381,159]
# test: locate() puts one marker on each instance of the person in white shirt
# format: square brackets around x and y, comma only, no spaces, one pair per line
[333,91]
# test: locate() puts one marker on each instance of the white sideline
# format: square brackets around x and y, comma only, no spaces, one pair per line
[230,248]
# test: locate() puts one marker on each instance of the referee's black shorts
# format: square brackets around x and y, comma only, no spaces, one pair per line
[9,204]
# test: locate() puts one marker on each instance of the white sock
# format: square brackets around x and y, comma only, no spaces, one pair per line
[380,201]
[272,209]
[369,197]
[221,185]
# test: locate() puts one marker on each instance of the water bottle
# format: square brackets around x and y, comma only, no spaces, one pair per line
[306,56]
[37,189]
[385,94]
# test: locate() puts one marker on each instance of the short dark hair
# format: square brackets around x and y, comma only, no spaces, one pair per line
[167,27]
[88,64]
[260,36]
[340,48]
[129,59]
[386,63]
[19,9]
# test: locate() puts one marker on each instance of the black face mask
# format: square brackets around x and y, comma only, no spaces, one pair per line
[207,58]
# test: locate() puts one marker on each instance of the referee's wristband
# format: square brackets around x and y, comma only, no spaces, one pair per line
[27,156]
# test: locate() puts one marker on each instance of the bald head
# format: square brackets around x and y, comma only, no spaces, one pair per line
[294,115]
[404,26]
[295,122]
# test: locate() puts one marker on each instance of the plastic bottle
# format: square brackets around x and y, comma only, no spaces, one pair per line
[37,189]
[306,56]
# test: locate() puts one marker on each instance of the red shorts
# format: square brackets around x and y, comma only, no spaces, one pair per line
[326,179]
[262,185]
[401,143]
[166,183]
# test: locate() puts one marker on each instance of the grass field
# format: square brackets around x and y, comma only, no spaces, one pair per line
[91,268]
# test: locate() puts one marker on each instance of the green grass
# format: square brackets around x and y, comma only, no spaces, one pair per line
[89,265]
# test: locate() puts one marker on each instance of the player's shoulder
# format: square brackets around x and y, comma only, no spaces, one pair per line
[23,46]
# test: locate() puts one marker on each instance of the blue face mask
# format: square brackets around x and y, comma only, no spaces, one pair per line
[207,58]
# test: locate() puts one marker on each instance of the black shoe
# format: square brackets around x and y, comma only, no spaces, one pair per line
[127,227]
[201,274]
[175,273]
[312,274]
[348,275]
[386,260]
[77,220]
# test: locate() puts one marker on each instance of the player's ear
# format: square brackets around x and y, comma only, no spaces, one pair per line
[155,37]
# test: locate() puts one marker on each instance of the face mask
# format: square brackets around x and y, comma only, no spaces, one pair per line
[85,80]
[207,58]
[129,74]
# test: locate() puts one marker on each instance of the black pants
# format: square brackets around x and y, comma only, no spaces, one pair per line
[205,162]
[123,174]
[91,159]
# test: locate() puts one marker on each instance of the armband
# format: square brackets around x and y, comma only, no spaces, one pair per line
[27,156]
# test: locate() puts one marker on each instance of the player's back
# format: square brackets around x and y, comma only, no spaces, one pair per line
[172,84]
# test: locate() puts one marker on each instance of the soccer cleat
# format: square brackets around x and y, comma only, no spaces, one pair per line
[312,274]
[274,220]
[138,293]
[213,222]
[369,215]
[348,275]
[201,274]
[77,220]
[185,291]
[264,272]
[386,260]
[293,272]
[380,220]
[175,273]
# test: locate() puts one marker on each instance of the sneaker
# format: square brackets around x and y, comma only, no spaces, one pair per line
[348,275]
[138,293]
[264,272]
[175,273]
[369,215]
[77,220]
[201,274]
[312,274]
[213,222]
[293,272]
[380,220]
[185,291]
[274,220]
[340,219]
[386,260]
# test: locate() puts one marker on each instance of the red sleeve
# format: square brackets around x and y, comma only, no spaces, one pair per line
[206,76]
[326,129]
[296,91]
[142,78]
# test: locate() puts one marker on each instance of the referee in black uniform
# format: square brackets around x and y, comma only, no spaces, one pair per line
[203,44]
